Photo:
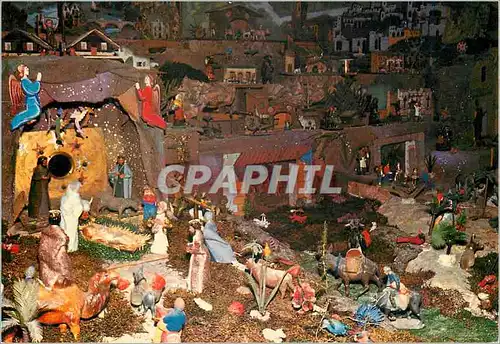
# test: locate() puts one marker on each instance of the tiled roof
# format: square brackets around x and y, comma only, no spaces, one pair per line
[263,156]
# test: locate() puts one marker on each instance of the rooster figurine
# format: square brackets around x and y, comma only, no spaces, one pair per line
[145,295]
[73,304]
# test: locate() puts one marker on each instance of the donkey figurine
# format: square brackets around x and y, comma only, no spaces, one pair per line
[365,272]
[469,256]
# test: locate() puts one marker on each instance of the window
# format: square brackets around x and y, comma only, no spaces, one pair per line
[29,46]
[83,45]
[138,64]
[104,46]
[7,46]
[483,73]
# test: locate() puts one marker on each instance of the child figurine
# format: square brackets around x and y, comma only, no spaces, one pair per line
[149,203]
[170,327]
[160,243]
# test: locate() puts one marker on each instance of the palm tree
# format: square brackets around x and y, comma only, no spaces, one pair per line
[24,311]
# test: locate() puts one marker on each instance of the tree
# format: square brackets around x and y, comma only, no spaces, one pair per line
[24,310]
[447,235]
[13,17]
[350,100]
[468,21]
[172,75]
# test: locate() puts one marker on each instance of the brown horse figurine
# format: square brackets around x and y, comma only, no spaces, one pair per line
[355,267]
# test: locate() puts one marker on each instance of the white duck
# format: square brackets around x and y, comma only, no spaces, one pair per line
[262,222]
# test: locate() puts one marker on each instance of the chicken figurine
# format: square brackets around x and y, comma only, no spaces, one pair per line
[146,295]
[262,221]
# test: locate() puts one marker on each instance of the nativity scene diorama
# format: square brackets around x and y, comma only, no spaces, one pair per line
[249,172]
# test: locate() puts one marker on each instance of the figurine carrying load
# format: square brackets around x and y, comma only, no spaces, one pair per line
[396,298]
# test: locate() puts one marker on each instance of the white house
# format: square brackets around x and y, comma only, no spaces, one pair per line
[340,44]
[139,62]
[378,41]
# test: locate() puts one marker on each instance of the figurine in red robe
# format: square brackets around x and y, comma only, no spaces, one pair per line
[150,100]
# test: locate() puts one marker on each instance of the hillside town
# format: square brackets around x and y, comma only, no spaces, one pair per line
[249,172]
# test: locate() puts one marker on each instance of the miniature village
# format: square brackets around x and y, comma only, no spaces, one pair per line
[249,172]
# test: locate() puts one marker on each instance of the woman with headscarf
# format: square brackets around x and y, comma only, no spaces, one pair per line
[220,250]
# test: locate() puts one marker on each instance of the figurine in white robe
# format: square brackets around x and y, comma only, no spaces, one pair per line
[160,243]
[71,209]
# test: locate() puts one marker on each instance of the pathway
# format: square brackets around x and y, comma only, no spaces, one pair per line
[174,280]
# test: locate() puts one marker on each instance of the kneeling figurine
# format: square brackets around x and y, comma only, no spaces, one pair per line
[396,298]
[169,328]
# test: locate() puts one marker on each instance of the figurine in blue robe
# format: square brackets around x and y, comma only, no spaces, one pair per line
[121,179]
[31,90]
[220,250]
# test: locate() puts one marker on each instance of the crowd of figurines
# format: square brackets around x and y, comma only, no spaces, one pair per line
[207,247]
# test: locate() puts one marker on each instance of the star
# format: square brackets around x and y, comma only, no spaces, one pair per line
[82,178]
[39,150]
[82,164]
[22,149]
[76,145]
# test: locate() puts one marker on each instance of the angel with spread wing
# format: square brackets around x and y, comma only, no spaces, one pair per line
[150,101]
[82,113]
[27,91]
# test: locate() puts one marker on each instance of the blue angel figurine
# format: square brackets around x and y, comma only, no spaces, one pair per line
[31,90]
